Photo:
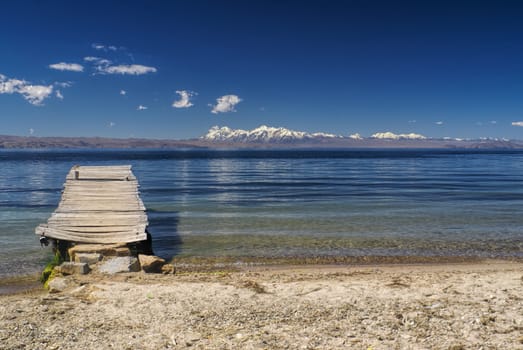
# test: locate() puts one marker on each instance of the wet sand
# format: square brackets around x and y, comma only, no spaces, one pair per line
[468,305]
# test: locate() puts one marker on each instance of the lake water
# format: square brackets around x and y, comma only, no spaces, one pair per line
[286,203]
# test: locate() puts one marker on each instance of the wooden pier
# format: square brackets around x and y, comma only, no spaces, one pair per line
[100,204]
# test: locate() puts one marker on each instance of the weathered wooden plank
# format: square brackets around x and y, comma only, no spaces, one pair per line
[123,237]
[99,206]
[99,218]
[116,172]
[93,193]
[100,229]
[82,201]
[101,176]
[54,230]
[100,189]
[102,214]
[101,184]
[107,184]
[92,196]
[95,170]
[124,176]
[80,192]
[100,171]
[113,201]
[134,231]
[88,185]
[84,170]
[101,168]
[95,167]
[130,197]
[105,215]
[99,222]
[95,211]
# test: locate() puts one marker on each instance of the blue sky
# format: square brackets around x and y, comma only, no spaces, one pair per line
[437,68]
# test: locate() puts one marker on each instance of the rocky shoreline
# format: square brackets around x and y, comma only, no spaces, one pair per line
[432,306]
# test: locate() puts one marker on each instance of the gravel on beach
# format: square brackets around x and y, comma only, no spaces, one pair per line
[433,306]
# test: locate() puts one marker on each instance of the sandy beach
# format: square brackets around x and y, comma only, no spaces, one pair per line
[431,306]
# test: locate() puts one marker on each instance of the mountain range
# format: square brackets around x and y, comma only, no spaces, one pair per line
[267,137]
[263,137]
[267,134]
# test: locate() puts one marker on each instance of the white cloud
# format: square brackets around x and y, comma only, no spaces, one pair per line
[123,92]
[111,124]
[412,121]
[439,123]
[63,84]
[105,66]
[31,131]
[517,124]
[184,101]
[100,64]
[132,69]
[103,62]
[493,122]
[225,103]
[34,94]
[71,67]
[9,86]
[105,48]
[141,108]
[97,60]
[356,136]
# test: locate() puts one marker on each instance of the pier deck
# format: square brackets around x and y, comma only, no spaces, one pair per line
[100,204]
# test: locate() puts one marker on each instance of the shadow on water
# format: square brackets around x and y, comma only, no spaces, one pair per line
[163,227]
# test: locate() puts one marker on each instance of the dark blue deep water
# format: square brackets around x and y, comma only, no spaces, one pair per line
[287,203]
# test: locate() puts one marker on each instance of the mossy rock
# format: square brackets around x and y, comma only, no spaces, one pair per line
[49,273]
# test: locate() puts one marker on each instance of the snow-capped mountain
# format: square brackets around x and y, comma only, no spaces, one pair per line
[267,134]
[391,136]
[263,134]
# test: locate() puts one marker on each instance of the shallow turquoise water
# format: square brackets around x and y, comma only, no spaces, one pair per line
[287,203]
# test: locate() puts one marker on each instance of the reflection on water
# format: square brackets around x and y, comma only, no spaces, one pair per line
[281,203]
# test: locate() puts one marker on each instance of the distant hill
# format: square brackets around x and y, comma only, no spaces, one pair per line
[263,137]
[89,142]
